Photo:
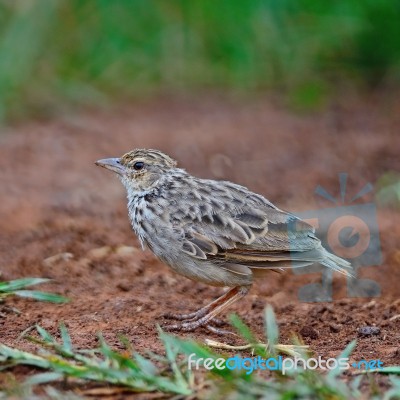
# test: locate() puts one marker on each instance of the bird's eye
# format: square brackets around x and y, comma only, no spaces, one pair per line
[138,165]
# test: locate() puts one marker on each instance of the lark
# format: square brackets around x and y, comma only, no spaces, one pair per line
[215,232]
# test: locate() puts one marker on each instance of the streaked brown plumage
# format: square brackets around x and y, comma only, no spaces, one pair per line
[215,232]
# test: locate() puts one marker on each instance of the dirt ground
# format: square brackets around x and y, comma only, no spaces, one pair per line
[54,200]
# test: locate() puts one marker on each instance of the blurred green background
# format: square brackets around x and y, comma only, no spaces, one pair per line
[58,53]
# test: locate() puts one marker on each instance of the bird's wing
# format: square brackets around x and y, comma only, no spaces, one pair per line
[236,227]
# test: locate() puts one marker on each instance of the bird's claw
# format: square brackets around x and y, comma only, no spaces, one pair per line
[190,326]
[192,317]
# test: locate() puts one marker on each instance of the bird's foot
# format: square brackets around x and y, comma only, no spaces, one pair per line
[219,331]
[185,326]
[192,324]
[192,317]
[207,315]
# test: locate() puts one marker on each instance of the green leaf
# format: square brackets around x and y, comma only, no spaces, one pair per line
[42,296]
[171,354]
[45,335]
[395,370]
[394,392]
[333,373]
[395,381]
[188,346]
[66,338]
[271,327]
[45,377]
[355,384]
[17,284]
[22,357]
[243,329]
[145,365]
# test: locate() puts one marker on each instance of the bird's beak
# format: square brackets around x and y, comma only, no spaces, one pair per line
[113,164]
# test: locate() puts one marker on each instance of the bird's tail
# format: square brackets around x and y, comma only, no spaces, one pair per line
[337,264]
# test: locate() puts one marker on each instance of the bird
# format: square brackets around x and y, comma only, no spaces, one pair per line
[216,232]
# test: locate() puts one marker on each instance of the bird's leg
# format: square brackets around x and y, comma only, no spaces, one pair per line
[215,308]
[182,317]
[218,331]
[194,316]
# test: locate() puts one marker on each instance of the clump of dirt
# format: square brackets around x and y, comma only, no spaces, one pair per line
[64,219]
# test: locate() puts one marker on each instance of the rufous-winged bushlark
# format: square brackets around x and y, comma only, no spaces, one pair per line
[214,232]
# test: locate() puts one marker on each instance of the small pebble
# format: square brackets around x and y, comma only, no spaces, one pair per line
[126,250]
[125,286]
[308,331]
[99,252]
[57,258]
[335,328]
[369,330]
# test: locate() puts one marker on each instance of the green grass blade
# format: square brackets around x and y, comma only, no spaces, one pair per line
[42,296]
[47,338]
[333,373]
[45,377]
[106,366]
[394,369]
[395,381]
[271,327]
[145,365]
[190,347]
[17,284]
[243,329]
[118,359]
[21,357]
[66,338]
[171,354]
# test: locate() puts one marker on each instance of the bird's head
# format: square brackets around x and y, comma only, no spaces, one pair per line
[140,169]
